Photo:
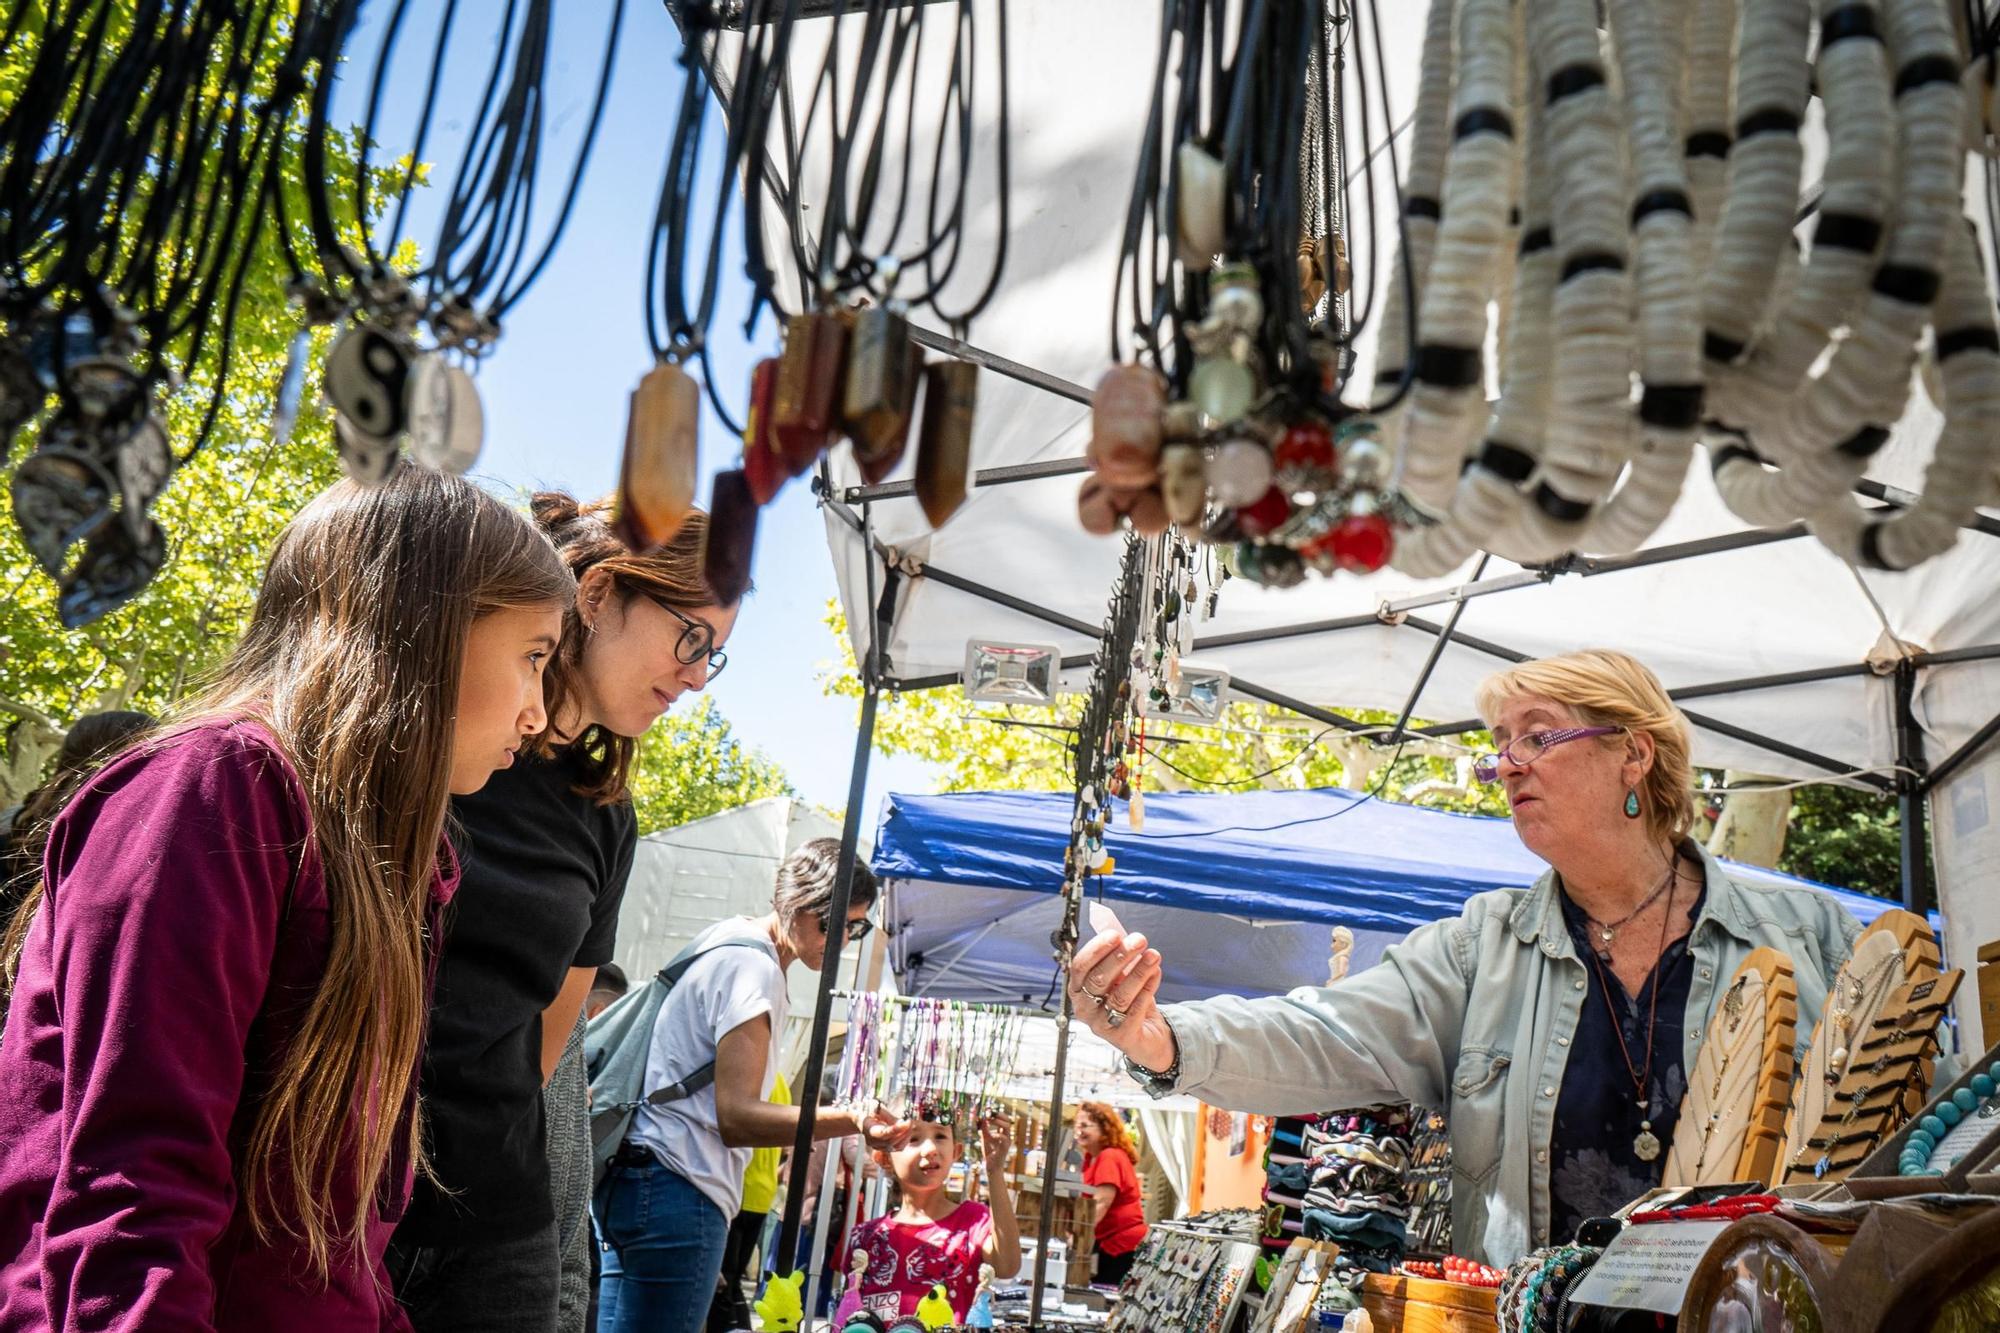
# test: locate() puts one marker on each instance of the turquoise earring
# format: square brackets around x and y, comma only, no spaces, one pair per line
[1632,804]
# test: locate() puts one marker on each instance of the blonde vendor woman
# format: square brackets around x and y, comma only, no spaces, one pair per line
[1555,1024]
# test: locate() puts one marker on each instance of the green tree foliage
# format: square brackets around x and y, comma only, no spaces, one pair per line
[1845,837]
[988,748]
[692,765]
[221,514]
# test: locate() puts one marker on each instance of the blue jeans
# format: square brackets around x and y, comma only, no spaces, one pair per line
[660,1243]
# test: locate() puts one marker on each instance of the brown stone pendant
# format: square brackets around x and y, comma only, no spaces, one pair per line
[944,450]
[806,399]
[732,536]
[883,367]
[656,481]
[763,463]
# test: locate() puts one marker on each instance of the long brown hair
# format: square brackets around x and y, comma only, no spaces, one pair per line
[352,660]
[673,572]
[1112,1126]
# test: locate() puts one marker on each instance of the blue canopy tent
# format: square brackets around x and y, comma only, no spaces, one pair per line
[1238,891]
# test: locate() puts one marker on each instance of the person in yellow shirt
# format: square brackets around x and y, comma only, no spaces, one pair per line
[731,1310]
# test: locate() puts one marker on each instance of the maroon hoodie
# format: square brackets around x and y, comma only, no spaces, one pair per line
[184,931]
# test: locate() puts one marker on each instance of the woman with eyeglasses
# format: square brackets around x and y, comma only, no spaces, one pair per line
[546,849]
[1555,1024]
[664,1209]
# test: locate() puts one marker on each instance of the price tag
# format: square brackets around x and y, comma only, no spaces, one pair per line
[1648,1266]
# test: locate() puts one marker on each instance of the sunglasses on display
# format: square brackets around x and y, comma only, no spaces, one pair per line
[697,640]
[1527,748]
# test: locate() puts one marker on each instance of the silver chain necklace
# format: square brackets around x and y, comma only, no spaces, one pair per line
[1605,932]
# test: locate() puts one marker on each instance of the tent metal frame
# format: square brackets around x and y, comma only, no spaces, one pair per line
[1913,781]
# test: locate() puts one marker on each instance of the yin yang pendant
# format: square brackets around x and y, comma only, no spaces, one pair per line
[367,377]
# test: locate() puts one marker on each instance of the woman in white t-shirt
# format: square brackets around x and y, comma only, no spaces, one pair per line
[664,1209]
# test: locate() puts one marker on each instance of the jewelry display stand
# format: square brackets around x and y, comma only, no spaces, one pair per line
[1870,1062]
[1973,1139]
[1732,1121]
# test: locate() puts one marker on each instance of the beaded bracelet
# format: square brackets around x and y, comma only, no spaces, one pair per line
[1976,1098]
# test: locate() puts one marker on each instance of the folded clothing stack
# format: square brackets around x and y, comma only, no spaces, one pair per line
[1356,1193]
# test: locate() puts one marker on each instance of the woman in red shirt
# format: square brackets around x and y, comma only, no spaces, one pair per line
[1111,1168]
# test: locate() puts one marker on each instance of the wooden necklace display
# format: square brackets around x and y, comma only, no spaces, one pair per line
[1761,1273]
[1732,1120]
[1869,1066]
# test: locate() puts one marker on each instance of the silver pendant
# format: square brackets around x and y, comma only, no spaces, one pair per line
[446,423]
[61,493]
[117,565]
[368,459]
[1646,1146]
[144,460]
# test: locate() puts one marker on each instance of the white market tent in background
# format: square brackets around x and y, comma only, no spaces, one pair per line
[687,878]
[1789,662]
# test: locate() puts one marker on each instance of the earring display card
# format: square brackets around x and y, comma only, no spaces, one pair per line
[1188,1276]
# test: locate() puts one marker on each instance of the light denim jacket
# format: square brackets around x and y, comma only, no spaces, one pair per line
[1474,1016]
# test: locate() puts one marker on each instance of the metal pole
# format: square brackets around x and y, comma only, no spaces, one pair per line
[1915,858]
[850,841]
[850,838]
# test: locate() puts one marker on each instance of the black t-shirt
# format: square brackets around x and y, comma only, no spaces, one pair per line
[545,870]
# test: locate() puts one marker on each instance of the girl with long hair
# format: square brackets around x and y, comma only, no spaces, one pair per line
[546,849]
[208,1109]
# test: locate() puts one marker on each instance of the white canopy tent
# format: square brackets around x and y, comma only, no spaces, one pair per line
[1789,662]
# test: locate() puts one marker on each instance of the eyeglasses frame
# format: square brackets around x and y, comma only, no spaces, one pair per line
[696,630]
[1549,739]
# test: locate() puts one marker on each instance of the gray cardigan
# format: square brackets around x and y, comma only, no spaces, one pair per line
[1474,1016]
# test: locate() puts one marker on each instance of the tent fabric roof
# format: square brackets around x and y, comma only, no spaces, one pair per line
[974,879]
[1077,118]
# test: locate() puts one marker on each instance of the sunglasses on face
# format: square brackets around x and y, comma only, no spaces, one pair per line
[1525,749]
[697,639]
[857,927]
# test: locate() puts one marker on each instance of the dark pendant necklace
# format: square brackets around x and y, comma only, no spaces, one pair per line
[1645,1144]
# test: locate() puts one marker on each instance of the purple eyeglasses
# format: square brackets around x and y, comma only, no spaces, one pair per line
[1527,748]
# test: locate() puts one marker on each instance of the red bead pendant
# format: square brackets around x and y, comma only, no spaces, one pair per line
[1362,543]
[1305,444]
[1263,517]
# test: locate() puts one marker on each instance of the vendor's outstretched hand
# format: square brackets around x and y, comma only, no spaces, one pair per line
[1116,975]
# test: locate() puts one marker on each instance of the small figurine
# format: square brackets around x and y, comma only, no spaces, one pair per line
[981,1313]
[781,1308]
[850,1297]
[935,1309]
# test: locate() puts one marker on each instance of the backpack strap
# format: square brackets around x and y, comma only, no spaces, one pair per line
[695,1080]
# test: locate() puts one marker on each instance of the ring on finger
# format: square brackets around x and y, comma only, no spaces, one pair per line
[1115,1017]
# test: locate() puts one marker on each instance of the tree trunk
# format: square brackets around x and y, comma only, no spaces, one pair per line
[1752,826]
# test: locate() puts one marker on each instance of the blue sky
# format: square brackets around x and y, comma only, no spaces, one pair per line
[555,389]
